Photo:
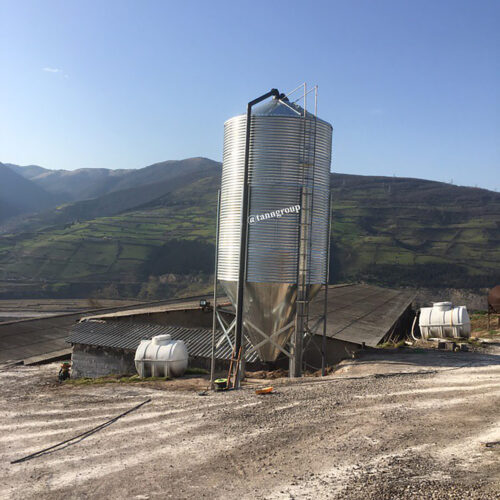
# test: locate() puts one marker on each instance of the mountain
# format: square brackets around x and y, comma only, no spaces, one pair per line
[80,184]
[157,239]
[19,195]
[137,188]
[90,183]
[72,185]
[27,171]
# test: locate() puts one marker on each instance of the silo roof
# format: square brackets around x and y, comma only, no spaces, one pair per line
[278,107]
[282,107]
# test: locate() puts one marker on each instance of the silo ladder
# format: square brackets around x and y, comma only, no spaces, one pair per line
[234,365]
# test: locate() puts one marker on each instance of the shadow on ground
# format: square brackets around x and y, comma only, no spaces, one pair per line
[421,358]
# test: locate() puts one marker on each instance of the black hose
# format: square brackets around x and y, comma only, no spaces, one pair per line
[78,438]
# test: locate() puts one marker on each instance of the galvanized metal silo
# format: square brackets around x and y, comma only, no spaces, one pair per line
[287,246]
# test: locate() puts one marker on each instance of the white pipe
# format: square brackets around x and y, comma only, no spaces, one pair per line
[413,328]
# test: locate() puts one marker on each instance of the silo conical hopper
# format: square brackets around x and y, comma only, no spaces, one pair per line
[290,154]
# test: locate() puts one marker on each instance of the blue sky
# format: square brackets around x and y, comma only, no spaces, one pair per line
[411,87]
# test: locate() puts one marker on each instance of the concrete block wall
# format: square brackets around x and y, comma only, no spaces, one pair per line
[94,362]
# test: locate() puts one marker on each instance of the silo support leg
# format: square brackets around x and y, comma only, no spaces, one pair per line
[295,365]
[296,357]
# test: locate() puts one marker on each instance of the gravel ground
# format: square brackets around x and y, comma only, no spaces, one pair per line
[391,425]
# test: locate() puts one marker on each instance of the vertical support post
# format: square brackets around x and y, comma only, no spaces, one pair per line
[214,316]
[244,227]
[298,334]
[304,261]
[325,305]
[305,100]
[316,100]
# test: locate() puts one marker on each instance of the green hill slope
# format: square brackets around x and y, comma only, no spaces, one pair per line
[385,230]
[414,232]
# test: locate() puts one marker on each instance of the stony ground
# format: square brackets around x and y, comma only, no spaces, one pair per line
[391,425]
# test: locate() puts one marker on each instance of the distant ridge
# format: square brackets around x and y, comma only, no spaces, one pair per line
[133,189]
[19,195]
[27,171]
[90,183]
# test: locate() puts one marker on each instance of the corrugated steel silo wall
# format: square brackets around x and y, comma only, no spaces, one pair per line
[276,176]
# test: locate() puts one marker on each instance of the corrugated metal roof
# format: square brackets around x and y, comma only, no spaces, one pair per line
[33,337]
[360,313]
[156,309]
[356,313]
[127,335]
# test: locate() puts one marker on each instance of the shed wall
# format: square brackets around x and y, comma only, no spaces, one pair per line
[93,362]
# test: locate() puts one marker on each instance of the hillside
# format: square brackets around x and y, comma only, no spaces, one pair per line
[391,231]
[412,232]
[19,195]
[144,186]
[90,183]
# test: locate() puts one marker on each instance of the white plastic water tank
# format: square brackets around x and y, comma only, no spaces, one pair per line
[161,357]
[443,320]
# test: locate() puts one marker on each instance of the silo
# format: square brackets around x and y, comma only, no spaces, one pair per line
[289,160]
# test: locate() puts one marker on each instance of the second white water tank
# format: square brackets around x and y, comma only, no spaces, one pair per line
[442,320]
[161,357]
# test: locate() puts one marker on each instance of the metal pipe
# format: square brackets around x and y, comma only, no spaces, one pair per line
[305,99]
[294,90]
[325,305]
[316,100]
[302,96]
[214,319]
[244,226]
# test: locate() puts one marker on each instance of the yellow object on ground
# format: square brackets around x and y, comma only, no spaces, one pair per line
[265,390]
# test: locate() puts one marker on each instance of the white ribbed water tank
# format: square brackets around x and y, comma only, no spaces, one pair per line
[442,320]
[161,357]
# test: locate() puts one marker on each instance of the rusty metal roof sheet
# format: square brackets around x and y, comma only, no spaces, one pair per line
[127,335]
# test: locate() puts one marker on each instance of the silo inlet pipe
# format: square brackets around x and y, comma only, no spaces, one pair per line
[244,226]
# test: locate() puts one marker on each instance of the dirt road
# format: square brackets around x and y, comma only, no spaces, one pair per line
[358,434]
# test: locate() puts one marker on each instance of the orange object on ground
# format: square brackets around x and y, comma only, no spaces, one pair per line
[265,390]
